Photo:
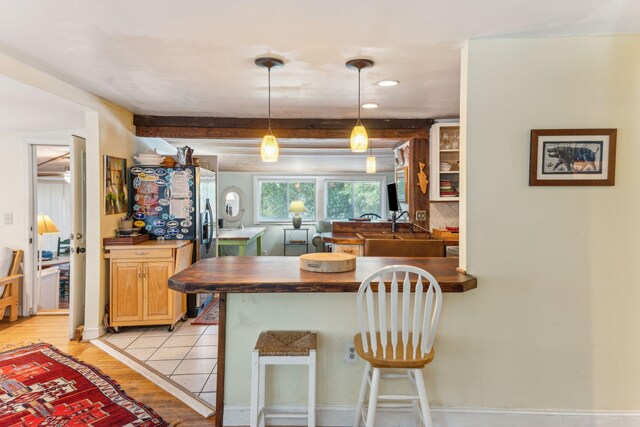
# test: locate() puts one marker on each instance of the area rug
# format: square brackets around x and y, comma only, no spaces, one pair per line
[41,386]
[209,314]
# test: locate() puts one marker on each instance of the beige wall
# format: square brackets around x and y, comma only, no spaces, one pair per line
[554,322]
[109,130]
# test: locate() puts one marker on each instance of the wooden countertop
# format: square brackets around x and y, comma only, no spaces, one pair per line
[283,274]
[247,233]
[151,244]
[354,239]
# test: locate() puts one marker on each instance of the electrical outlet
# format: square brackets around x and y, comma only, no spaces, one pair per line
[8,218]
[350,355]
[421,215]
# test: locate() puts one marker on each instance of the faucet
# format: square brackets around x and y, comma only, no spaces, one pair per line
[395,217]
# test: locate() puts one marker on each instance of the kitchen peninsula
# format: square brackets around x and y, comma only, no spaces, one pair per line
[260,293]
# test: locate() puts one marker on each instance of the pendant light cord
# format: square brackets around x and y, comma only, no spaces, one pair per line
[359,69]
[270,132]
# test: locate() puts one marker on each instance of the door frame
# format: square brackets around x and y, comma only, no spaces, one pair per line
[29,303]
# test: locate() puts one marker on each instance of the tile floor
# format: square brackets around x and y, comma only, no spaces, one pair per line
[188,355]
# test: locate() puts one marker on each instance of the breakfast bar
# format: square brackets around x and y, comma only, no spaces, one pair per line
[260,293]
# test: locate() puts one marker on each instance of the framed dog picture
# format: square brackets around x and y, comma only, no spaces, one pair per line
[572,157]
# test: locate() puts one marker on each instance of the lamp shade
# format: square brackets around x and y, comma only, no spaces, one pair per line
[296,206]
[46,225]
[371,164]
[359,139]
[269,148]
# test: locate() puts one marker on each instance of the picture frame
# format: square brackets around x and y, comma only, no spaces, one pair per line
[572,157]
[401,184]
[116,199]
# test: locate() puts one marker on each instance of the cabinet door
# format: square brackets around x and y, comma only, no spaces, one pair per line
[158,297]
[126,291]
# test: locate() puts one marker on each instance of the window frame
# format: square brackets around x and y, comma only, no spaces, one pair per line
[257,190]
[354,179]
[320,182]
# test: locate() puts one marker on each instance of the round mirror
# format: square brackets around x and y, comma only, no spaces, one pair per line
[232,204]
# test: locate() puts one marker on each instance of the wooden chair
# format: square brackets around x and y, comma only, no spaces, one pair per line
[282,348]
[64,247]
[385,344]
[10,288]
[370,215]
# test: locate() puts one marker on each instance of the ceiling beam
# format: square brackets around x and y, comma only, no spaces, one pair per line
[233,127]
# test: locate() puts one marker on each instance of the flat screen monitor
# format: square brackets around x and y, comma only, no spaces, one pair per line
[392,197]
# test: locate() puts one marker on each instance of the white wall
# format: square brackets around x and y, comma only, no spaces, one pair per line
[109,130]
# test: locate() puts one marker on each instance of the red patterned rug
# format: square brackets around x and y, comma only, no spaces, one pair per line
[210,314]
[41,386]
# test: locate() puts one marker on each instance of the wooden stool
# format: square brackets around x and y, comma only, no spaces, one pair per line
[282,348]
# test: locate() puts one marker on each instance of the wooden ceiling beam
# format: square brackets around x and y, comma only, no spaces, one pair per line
[233,127]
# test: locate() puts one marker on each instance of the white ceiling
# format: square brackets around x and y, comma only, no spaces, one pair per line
[24,108]
[195,57]
[49,167]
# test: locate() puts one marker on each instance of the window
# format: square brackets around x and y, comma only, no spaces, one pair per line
[350,198]
[275,196]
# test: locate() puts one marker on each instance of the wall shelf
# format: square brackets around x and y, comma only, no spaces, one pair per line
[443,136]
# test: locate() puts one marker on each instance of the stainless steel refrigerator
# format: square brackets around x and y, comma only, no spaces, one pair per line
[178,203]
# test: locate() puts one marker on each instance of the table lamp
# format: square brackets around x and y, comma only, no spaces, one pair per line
[45,226]
[297,206]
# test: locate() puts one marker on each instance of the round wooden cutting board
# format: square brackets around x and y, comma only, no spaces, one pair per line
[327,262]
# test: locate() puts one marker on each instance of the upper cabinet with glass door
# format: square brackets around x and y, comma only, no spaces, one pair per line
[444,157]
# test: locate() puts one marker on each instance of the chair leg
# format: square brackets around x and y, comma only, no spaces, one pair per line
[13,310]
[373,398]
[255,366]
[312,389]
[262,393]
[422,394]
[361,396]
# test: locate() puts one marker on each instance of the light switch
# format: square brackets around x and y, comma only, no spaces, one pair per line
[8,218]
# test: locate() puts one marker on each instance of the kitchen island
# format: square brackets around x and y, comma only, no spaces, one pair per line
[260,293]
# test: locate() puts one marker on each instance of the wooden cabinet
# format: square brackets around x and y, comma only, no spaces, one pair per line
[139,289]
[445,162]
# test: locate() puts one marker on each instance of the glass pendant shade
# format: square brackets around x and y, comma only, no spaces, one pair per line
[359,139]
[269,148]
[371,164]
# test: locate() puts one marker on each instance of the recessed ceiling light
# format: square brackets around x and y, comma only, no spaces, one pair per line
[370,105]
[386,83]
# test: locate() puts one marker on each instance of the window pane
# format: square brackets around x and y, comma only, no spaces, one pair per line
[273,201]
[367,198]
[339,200]
[305,191]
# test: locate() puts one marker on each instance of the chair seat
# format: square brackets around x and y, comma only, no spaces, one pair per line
[286,343]
[378,361]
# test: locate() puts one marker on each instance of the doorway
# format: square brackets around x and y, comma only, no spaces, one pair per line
[58,218]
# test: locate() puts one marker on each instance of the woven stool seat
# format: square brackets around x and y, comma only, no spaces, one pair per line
[286,343]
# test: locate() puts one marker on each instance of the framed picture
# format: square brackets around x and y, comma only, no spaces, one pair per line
[572,157]
[401,184]
[115,185]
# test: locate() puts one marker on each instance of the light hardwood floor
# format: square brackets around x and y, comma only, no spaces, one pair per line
[53,330]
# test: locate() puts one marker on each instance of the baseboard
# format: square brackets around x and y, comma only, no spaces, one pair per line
[156,378]
[89,334]
[338,416]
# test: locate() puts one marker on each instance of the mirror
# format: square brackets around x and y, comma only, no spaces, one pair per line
[232,204]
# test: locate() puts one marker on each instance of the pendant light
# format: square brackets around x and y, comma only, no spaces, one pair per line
[371,160]
[359,138]
[269,147]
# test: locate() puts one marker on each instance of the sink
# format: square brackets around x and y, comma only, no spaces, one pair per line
[378,236]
